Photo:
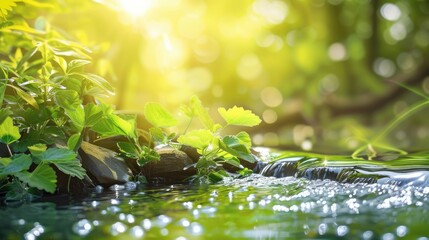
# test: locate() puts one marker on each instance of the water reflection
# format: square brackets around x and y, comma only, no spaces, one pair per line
[253,208]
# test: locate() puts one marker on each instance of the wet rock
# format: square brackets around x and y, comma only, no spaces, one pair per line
[103,165]
[174,166]
[111,144]
[191,152]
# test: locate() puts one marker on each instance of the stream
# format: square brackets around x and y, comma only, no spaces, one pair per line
[256,207]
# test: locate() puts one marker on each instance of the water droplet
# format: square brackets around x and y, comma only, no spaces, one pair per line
[195,228]
[117,228]
[367,235]
[112,209]
[137,232]
[147,224]
[342,230]
[162,221]
[401,231]
[94,204]
[164,232]
[82,227]
[322,228]
[184,222]
[117,187]
[188,205]
[29,236]
[99,189]
[130,185]
[388,236]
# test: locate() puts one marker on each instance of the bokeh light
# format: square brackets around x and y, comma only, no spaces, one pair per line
[294,63]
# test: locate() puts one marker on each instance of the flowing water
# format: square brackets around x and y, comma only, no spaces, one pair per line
[256,207]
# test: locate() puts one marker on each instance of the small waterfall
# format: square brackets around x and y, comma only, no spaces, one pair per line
[289,166]
[280,168]
[313,169]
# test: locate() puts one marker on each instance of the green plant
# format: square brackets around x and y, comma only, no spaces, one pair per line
[48,105]
[15,171]
[214,147]
[377,142]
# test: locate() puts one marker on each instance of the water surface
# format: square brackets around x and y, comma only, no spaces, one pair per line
[252,208]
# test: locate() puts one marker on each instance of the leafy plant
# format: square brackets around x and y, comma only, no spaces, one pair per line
[16,167]
[214,148]
[47,99]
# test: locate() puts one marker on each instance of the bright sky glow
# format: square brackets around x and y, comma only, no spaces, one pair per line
[135,8]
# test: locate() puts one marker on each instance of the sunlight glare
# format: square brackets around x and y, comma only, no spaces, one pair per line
[135,8]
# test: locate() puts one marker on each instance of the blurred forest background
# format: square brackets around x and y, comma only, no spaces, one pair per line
[319,72]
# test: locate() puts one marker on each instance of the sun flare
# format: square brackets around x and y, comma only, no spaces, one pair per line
[135,8]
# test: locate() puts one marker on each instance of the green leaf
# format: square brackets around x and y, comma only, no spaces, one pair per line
[20,162]
[56,155]
[76,64]
[234,143]
[77,116]
[2,91]
[73,141]
[157,135]
[106,128]
[149,155]
[97,81]
[245,172]
[24,95]
[92,114]
[37,148]
[43,178]
[26,57]
[233,161]
[244,139]
[199,139]
[7,5]
[215,177]
[62,63]
[129,149]
[205,164]
[239,116]
[158,116]
[67,99]
[233,146]
[72,168]
[201,112]
[4,113]
[4,162]
[5,24]
[67,51]
[8,132]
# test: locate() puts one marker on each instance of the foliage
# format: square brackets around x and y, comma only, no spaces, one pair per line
[47,98]
[209,142]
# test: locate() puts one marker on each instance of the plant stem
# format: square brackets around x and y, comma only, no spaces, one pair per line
[8,149]
[397,120]
[187,127]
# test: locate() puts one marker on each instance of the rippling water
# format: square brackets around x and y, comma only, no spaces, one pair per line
[251,208]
